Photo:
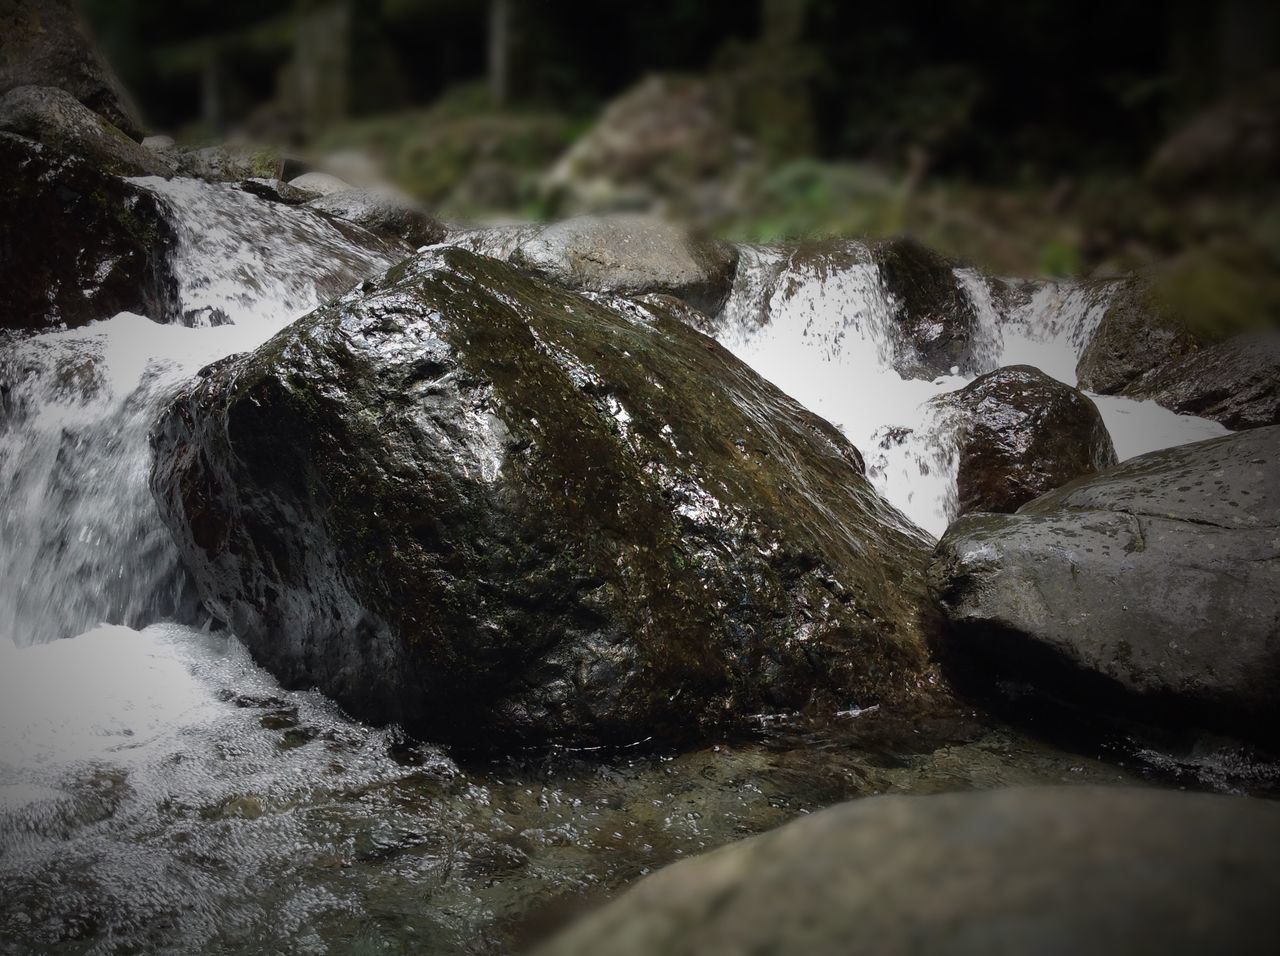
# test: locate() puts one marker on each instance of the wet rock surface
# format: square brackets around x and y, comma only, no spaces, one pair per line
[1020,433]
[508,511]
[1151,589]
[56,118]
[630,255]
[90,244]
[384,212]
[319,184]
[224,164]
[275,190]
[44,43]
[1046,870]
[1236,382]
[937,319]
[1136,335]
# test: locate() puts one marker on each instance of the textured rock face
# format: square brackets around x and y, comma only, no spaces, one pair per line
[1236,382]
[82,246]
[44,43]
[935,316]
[1136,335]
[1035,870]
[505,510]
[224,164]
[1155,584]
[631,255]
[1019,434]
[386,213]
[56,118]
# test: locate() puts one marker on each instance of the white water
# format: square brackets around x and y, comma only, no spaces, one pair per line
[140,790]
[824,331]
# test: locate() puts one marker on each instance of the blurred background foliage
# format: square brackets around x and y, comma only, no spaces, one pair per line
[1031,137]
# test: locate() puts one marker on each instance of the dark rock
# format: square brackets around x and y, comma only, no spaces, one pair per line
[82,245]
[631,255]
[1138,333]
[385,213]
[1236,382]
[1194,337]
[275,190]
[1020,433]
[56,118]
[1155,584]
[1035,870]
[506,510]
[44,43]
[936,318]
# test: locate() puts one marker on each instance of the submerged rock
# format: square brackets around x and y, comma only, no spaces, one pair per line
[506,510]
[630,255]
[1153,586]
[56,118]
[81,244]
[44,43]
[1035,870]
[937,320]
[1020,433]
[383,212]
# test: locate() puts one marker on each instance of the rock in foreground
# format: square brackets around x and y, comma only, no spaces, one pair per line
[1154,585]
[81,245]
[1020,434]
[504,510]
[1044,870]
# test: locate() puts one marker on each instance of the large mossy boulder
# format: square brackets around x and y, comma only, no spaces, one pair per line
[78,244]
[56,118]
[44,43]
[485,507]
[1151,590]
[1020,433]
[1036,870]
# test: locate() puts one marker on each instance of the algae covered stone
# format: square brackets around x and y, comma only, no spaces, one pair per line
[486,507]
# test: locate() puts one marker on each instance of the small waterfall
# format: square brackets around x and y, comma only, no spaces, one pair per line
[81,542]
[822,326]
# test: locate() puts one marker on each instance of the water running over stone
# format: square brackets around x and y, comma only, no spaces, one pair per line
[825,329]
[80,541]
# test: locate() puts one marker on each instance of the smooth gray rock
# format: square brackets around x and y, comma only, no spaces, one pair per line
[56,118]
[384,212]
[631,255]
[1051,871]
[505,511]
[1155,583]
[44,43]
[319,184]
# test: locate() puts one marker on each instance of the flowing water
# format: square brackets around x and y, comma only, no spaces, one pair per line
[160,792]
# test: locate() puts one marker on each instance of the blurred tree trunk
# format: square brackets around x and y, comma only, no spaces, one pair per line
[321,63]
[499,51]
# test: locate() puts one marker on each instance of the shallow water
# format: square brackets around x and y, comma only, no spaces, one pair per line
[163,793]
[160,792]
